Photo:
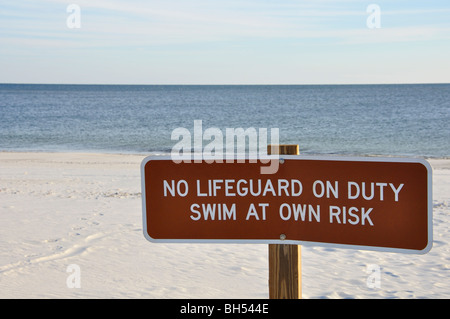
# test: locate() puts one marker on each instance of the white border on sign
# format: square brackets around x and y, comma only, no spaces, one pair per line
[296,242]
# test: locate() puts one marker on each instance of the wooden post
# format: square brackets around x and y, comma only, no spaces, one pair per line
[285,280]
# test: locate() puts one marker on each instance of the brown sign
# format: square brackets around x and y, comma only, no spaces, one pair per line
[365,203]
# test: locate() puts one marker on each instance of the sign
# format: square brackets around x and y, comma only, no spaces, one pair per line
[364,203]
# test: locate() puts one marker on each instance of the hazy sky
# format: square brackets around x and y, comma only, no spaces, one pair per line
[225,42]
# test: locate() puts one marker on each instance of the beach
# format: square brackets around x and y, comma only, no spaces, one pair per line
[61,209]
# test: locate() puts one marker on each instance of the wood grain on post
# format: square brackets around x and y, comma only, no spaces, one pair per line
[285,280]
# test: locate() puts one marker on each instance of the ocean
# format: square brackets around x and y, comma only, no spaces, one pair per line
[361,120]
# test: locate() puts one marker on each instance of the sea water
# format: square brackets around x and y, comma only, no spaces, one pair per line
[398,120]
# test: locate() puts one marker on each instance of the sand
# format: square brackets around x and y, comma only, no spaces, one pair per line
[63,209]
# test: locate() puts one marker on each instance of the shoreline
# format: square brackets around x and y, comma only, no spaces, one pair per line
[435,162]
[166,153]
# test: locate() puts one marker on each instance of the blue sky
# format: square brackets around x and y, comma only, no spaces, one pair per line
[224,42]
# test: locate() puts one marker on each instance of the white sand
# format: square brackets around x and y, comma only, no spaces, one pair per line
[58,209]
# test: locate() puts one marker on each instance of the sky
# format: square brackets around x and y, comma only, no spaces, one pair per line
[224,41]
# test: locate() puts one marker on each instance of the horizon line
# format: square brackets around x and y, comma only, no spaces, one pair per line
[224,84]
